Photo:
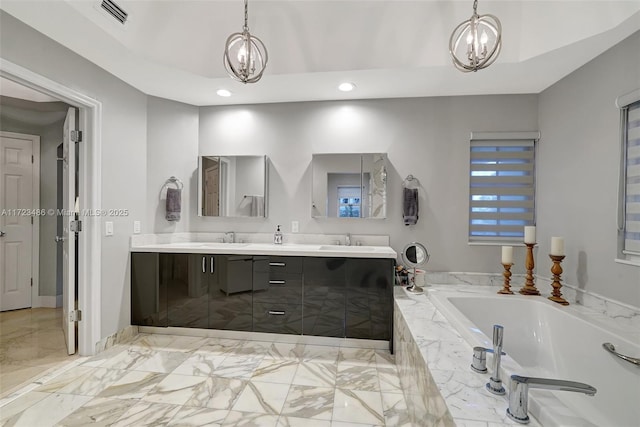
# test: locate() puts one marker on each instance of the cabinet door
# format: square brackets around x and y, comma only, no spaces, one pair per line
[187,290]
[324,297]
[230,287]
[369,298]
[148,292]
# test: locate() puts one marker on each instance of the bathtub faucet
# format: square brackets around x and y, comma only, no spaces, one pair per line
[519,393]
[495,383]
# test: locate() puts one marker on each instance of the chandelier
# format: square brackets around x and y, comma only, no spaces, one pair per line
[245,56]
[475,44]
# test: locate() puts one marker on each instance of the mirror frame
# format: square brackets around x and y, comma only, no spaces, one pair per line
[415,264]
[265,191]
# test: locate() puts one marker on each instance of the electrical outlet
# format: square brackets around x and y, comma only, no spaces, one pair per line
[295,226]
[136,227]
[108,228]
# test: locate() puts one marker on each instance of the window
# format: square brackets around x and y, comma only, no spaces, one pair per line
[501,186]
[630,232]
[349,202]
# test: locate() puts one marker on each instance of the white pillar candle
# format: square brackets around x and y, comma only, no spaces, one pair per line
[507,254]
[557,246]
[529,234]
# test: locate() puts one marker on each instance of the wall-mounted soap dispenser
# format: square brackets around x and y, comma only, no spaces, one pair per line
[277,237]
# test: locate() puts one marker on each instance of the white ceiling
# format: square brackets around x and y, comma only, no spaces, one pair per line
[173,48]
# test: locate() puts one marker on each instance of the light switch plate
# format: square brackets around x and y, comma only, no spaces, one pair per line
[295,226]
[136,227]
[108,228]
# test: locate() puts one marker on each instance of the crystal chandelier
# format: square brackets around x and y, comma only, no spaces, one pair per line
[245,56]
[482,36]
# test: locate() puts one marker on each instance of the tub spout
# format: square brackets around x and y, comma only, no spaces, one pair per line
[495,383]
[519,393]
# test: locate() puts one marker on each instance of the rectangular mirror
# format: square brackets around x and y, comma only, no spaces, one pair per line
[350,185]
[232,186]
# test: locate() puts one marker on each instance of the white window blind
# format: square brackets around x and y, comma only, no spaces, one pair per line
[502,189]
[632,180]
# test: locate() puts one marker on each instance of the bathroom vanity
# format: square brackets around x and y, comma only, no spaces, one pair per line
[319,290]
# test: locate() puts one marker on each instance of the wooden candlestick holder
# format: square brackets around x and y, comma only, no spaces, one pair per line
[556,270]
[529,284]
[507,280]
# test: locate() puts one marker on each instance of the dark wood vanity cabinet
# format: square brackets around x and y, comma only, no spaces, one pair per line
[322,296]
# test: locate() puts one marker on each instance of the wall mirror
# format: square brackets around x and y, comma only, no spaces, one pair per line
[232,186]
[350,185]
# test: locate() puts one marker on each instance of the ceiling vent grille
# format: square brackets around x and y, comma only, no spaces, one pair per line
[114,10]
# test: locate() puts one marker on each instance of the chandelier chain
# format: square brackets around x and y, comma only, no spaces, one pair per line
[475,6]
[246,15]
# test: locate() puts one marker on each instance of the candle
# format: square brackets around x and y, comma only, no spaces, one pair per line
[507,254]
[557,246]
[530,234]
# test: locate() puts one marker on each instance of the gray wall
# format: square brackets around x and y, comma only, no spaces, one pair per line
[578,166]
[50,137]
[123,157]
[426,137]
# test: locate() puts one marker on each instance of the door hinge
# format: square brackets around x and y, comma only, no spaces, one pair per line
[76,136]
[75,226]
[75,316]
[32,282]
[32,159]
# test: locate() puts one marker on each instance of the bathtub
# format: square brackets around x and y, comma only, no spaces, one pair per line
[544,339]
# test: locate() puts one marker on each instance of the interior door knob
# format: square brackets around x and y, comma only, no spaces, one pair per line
[2,233]
[59,238]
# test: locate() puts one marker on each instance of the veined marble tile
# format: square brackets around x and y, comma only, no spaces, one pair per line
[316,374]
[155,342]
[128,359]
[221,346]
[19,404]
[357,356]
[355,406]
[94,382]
[395,410]
[104,356]
[98,412]
[161,361]
[252,348]
[147,414]
[133,385]
[250,419]
[287,351]
[471,423]
[65,379]
[309,402]
[354,377]
[48,411]
[174,389]
[195,417]
[343,424]
[200,364]
[216,393]
[389,380]
[275,371]
[265,398]
[286,421]
[320,354]
[238,366]
[385,359]
[445,355]
[186,344]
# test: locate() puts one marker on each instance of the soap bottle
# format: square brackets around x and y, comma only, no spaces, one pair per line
[277,237]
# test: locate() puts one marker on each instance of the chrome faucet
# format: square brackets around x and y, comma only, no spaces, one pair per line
[519,393]
[348,240]
[495,383]
[229,237]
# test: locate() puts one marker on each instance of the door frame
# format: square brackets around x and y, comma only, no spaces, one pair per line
[90,174]
[35,204]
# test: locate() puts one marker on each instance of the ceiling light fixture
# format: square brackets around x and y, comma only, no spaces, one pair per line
[245,56]
[346,87]
[482,36]
[223,92]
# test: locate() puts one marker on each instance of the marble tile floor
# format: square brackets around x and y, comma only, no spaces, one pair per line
[167,380]
[31,344]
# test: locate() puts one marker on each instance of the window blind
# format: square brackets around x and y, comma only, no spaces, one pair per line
[632,181]
[501,190]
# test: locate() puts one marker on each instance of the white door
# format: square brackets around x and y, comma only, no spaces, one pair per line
[16,204]
[68,236]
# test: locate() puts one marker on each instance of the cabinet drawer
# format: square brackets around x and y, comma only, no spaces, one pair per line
[278,265]
[277,318]
[285,290]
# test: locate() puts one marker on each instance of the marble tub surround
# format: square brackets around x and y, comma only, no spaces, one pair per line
[184,380]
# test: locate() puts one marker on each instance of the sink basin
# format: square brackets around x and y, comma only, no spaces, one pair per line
[340,248]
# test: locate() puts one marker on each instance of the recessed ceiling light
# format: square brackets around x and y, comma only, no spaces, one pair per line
[223,92]
[346,87]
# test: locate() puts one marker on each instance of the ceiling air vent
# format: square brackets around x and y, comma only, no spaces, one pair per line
[115,11]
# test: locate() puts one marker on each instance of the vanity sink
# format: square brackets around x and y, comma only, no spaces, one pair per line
[342,248]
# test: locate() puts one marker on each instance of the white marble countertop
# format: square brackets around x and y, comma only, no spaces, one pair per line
[288,249]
